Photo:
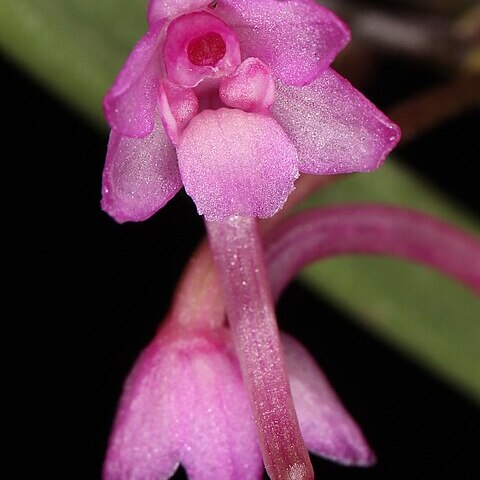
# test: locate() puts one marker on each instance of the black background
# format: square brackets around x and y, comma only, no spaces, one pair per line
[88,295]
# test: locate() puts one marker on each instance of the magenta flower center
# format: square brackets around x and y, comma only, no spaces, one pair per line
[206,50]
[197,46]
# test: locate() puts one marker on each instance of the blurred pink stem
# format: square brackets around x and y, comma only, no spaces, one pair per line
[331,231]
[371,229]
[238,255]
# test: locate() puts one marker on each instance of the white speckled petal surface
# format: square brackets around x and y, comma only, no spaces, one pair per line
[160,9]
[130,103]
[236,163]
[140,175]
[327,428]
[297,39]
[334,127]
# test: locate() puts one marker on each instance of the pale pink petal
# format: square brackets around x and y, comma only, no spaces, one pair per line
[219,436]
[177,107]
[297,39]
[327,428]
[250,87]
[145,443]
[140,175]
[236,163]
[130,103]
[334,127]
[161,9]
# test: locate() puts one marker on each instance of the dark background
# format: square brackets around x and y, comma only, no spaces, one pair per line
[88,295]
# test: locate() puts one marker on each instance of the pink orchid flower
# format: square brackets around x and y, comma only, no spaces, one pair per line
[185,403]
[232,99]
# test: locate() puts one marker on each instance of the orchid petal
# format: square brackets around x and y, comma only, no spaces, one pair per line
[185,402]
[161,9]
[177,107]
[334,127]
[250,88]
[144,444]
[327,428]
[297,39]
[130,103]
[251,176]
[140,176]
[219,437]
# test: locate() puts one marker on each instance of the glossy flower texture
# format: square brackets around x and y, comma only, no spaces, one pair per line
[232,99]
[185,402]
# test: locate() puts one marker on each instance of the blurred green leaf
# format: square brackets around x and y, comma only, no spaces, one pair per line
[76,47]
[428,316]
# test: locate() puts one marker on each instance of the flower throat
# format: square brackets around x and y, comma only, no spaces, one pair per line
[206,50]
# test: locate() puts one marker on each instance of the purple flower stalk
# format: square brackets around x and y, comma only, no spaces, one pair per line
[233,99]
[371,229]
[238,255]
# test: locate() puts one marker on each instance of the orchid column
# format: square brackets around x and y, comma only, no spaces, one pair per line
[233,99]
